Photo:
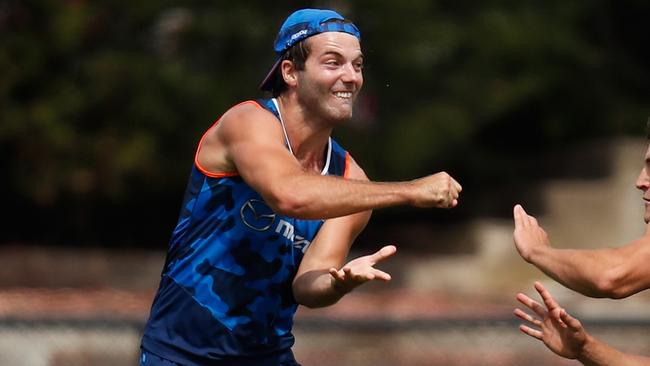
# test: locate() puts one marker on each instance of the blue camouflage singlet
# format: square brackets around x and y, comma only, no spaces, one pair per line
[225,291]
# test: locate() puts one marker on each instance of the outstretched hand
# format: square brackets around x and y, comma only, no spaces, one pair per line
[560,332]
[361,270]
[528,234]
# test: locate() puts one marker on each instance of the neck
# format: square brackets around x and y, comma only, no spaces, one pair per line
[308,137]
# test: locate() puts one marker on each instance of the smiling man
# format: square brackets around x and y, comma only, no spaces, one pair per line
[272,207]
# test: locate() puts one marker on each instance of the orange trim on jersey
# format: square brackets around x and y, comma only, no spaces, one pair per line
[198,149]
[346,171]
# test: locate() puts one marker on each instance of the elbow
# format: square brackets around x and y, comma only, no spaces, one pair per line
[614,285]
[315,304]
[301,299]
[309,301]
[309,293]
[300,295]
[288,202]
[311,304]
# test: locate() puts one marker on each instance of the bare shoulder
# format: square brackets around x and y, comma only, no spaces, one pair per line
[243,122]
[246,119]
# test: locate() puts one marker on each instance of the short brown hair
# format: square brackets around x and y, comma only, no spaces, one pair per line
[297,54]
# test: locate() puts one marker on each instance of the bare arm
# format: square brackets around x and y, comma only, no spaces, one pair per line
[611,272]
[250,141]
[565,335]
[320,280]
[597,353]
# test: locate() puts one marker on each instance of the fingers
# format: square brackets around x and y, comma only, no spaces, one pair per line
[347,272]
[338,275]
[527,317]
[450,203]
[531,332]
[518,216]
[361,270]
[455,193]
[570,321]
[445,190]
[521,218]
[349,275]
[381,276]
[532,304]
[382,254]
[369,275]
[358,277]
[550,302]
[457,187]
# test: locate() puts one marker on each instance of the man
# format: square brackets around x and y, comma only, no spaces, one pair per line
[612,272]
[269,187]
[565,336]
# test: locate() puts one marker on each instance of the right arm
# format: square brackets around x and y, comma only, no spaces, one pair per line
[250,141]
[609,272]
[565,335]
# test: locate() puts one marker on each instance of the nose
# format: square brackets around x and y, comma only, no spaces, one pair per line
[351,74]
[643,180]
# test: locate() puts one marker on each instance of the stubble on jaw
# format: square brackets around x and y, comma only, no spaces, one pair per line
[318,104]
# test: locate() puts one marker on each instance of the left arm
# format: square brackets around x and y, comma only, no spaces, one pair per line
[320,280]
[608,272]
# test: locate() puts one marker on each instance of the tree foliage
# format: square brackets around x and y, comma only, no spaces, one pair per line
[102,104]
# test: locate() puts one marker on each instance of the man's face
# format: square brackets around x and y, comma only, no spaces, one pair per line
[643,183]
[332,78]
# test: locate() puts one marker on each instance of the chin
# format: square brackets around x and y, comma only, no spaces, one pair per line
[344,118]
[340,115]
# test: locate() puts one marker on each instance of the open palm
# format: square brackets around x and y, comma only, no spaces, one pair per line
[559,331]
[361,270]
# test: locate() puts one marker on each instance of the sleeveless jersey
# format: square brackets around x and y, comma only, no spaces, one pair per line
[225,290]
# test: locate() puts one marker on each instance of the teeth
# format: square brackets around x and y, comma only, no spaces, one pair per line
[345,95]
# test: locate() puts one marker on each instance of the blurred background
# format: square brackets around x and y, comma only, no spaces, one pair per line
[102,105]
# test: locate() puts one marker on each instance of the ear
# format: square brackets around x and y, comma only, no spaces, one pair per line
[289,73]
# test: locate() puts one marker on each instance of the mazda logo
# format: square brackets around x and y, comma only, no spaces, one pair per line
[257,215]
